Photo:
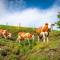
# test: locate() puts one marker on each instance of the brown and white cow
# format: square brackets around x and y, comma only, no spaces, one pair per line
[43,32]
[5,33]
[24,36]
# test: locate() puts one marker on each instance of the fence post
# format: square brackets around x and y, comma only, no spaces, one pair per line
[19,25]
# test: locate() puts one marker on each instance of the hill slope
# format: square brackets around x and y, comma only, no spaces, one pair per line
[12,50]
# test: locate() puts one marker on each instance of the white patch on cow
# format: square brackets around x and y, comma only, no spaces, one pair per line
[26,34]
[9,35]
[44,35]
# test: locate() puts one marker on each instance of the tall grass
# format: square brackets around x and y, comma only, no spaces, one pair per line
[12,50]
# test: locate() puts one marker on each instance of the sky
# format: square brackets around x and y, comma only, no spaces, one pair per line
[30,13]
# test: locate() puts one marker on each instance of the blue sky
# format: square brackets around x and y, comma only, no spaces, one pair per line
[22,4]
[29,12]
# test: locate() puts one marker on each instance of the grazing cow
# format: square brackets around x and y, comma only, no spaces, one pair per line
[43,32]
[5,33]
[24,36]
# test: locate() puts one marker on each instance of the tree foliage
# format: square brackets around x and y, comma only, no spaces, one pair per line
[58,22]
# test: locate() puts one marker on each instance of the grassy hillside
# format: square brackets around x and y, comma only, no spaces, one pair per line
[12,50]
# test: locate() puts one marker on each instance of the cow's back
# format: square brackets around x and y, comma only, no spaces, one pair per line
[44,29]
[24,35]
[1,31]
[38,30]
[21,34]
[28,35]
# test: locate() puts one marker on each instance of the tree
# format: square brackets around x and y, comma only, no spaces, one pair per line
[58,22]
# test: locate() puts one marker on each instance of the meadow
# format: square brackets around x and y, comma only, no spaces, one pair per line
[12,50]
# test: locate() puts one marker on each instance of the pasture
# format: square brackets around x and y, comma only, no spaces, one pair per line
[12,50]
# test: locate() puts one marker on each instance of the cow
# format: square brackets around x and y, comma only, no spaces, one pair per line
[43,32]
[4,33]
[24,36]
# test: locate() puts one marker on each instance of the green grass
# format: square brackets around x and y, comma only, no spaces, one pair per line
[12,50]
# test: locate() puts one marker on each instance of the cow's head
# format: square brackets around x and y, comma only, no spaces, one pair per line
[50,26]
[46,24]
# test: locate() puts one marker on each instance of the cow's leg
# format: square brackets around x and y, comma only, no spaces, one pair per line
[18,39]
[1,36]
[46,33]
[43,36]
[33,37]
[47,40]
[9,35]
[4,36]
[38,38]
[28,41]
[47,37]
[4,33]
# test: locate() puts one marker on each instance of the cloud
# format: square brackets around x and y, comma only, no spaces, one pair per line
[31,16]
[2,8]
